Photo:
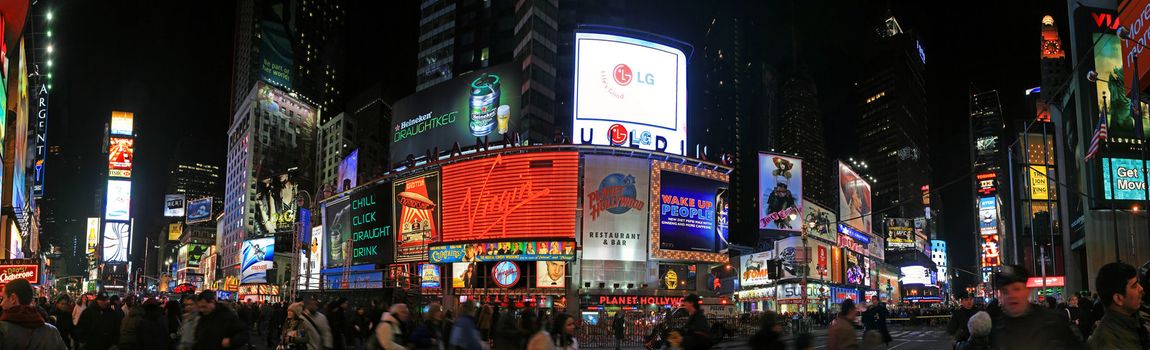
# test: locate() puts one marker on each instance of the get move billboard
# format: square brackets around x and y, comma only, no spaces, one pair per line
[629,92]
[780,193]
[692,213]
[517,196]
[854,199]
[615,207]
[417,213]
[481,104]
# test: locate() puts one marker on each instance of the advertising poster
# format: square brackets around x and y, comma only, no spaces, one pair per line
[429,276]
[311,261]
[121,123]
[824,221]
[1039,186]
[550,274]
[464,275]
[1112,91]
[676,277]
[615,208]
[987,216]
[119,200]
[688,216]
[347,172]
[417,216]
[854,199]
[855,271]
[483,104]
[519,196]
[199,210]
[877,249]
[15,242]
[916,275]
[503,251]
[900,234]
[1122,179]
[256,256]
[337,231]
[195,253]
[275,43]
[93,236]
[275,205]
[753,269]
[175,230]
[990,251]
[10,272]
[173,205]
[372,237]
[780,193]
[120,157]
[789,251]
[117,238]
[629,93]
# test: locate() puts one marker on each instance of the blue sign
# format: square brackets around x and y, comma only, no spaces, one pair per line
[858,236]
[359,276]
[1129,184]
[199,210]
[687,208]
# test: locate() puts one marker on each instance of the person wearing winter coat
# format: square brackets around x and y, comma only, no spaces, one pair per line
[321,323]
[841,335]
[298,331]
[186,335]
[359,329]
[507,335]
[429,334]
[770,334]
[1119,290]
[563,333]
[21,323]
[390,333]
[145,328]
[337,320]
[61,317]
[875,319]
[218,327]
[978,327]
[465,334]
[99,326]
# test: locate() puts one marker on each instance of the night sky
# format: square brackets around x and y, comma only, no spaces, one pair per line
[170,63]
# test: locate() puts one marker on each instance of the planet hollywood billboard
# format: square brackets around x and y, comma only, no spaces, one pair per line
[615,208]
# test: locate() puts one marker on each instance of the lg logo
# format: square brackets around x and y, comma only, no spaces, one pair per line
[617,134]
[624,75]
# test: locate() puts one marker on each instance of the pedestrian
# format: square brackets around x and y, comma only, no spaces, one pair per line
[978,327]
[390,333]
[619,328]
[360,328]
[145,328]
[957,326]
[61,317]
[448,325]
[428,333]
[465,334]
[770,334]
[875,318]
[674,340]
[81,305]
[842,335]
[173,312]
[486,318]
[1023,325]
[537,338]
[696,334]
[188,322]
[276,323]
[1086,314]
[337,320]
[22,324]
[1120,292]
[1073,313]
[299,331]
[99,326]
[320,321]
[219,327]
[563,332]
[507,334]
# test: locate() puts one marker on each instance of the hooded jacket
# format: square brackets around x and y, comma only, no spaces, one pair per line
[22,327]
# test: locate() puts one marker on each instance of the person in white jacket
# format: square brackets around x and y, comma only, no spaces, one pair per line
[389,333]
[321,324]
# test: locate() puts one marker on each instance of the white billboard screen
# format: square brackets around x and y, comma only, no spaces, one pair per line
[119,200]
[615,204]
[916,275]
[173,205]
[629,92]
[117,237]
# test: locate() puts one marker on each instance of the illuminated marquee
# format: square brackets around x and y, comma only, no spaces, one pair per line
[9,273]
[633,300]
[986,183]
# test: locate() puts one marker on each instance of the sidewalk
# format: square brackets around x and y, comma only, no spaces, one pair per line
[730,343]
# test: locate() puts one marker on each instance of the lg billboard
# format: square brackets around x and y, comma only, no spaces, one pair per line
[630,93]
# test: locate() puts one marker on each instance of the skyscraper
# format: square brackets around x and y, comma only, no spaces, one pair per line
[986,157]
[802,134]
[460,36]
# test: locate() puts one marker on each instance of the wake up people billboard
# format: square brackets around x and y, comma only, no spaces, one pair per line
[780,193]
[692,213]
[480,105]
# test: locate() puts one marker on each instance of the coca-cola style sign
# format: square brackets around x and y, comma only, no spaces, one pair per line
[9,273]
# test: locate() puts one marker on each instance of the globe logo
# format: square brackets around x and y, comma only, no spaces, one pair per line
[627,185]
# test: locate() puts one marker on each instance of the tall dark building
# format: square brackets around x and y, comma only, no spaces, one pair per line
[195,177]
[361,128]
[460,36]
[296,46]
[986,157]
[802,134]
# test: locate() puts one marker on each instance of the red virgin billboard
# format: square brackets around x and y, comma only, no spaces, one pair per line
[524,196]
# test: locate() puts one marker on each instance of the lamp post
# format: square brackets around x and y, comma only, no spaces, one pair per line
[804,265]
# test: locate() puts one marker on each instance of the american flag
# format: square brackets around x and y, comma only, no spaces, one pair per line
[1099,135]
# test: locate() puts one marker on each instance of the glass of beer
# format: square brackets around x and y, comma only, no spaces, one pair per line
[503,115]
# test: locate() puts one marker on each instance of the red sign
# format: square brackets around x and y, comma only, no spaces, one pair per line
[990,251]
[635,300]
[184,288]
[850,243]
[1135,15]
[120,157]
[8,273]
[506,274]
[822,258]
[525,196]
[1051,281]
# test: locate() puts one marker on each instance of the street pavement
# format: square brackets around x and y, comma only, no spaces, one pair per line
[905,338]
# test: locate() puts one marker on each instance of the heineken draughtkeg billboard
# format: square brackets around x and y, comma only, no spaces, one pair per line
[481,104]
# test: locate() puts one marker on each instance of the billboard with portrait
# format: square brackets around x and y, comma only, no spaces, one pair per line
[1122,179]
[629,92]
[502,251]
[256,258]
[199,210]
[753,269]
[677,276]
[464,275]
[824,221]
[313,264]
[854,199]
[120,151]
[119,200]
[990,251]
[117,239]
[900,234]
[416,213]
[515,196]
[275,205]
[174,205]
[987,216]
[121,123]
[691,215]
[615,207]
[550,274]
[780,193]
[347,172]
[483,104]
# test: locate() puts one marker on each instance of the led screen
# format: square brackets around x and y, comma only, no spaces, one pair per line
[987,216]
[676,277]
[15,242]
[629,93]
[120,157]
[121,123]
[117,238]
[119,200]
[195,252]
[915,275]
[337,231]
[1129,183]
[990,251]
[780,193]
[854,268]
[416,213]
[364,219]
[347,172]
[900,234]
[854,199]
[256,256]
[615,210]
[691,213]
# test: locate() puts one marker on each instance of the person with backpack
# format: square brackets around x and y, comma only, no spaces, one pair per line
[389,334]
[465,334]
[428,334]
[298,331]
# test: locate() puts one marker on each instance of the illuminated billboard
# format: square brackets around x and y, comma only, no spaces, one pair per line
[199,210]
[193,253]
[677,276]
[429,276]
[120,157]
[502,251]
[630,93]
[483,104]
[119,200]
[900,234]
[1039,186]
[362,219]
[780,193]
[173,205]
[517,196]
[1129,184]
[311,261]
[117,239]
[275,205]
[854,268]
[337,231]
[916,275]
[347,172]
[416,213]
[121,123]
[464,275]
[753,269]
[615,207]
[175,230]
[256,256]
[92,238]
[692,213]
[990,251]
[823,218]
[854,199]
[987,216]
[15,242]
[275,43]
[1112,92]
[550,274]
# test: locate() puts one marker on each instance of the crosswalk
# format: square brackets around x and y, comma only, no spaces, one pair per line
[926,338]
